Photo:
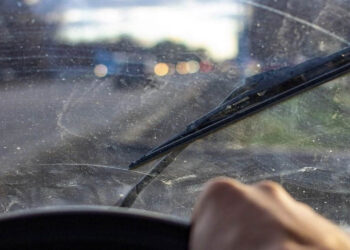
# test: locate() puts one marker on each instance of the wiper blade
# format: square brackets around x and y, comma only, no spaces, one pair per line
[258,92]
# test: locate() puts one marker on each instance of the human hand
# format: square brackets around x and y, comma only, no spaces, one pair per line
[232,215]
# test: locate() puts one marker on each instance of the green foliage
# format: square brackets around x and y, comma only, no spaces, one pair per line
[314,120]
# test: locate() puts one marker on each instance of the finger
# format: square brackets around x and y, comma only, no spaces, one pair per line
[270,187]
[220,189]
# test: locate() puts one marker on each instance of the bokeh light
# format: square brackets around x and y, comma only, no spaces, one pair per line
[161,69]
[206,67]
[100,70]
[181,68]
[192,67]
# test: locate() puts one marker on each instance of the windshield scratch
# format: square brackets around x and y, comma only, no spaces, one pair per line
[282,173]
[179,179]
[71,102]
[97,166]
[297,19]
[60,116]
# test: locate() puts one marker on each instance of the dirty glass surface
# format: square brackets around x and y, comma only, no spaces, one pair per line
[87,87]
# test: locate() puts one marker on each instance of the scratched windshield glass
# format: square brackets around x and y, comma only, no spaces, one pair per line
[87,87]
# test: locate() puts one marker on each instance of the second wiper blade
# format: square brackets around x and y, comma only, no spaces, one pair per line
[259,92]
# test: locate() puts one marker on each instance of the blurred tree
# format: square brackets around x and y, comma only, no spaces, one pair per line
[126,43]
[170,51]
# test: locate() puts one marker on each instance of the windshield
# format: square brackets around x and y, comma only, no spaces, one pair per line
[87,87]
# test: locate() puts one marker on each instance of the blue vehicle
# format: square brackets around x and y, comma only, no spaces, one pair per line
[126,69]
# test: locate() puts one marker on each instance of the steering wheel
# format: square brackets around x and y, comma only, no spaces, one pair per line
[91,228]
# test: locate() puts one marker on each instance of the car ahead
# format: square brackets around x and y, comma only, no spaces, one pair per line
[131,75]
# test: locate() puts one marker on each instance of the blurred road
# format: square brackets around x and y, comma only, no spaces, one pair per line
[29,118]
[42,114]
[69,141]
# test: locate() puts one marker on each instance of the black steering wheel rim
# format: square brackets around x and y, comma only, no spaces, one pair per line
[91,228]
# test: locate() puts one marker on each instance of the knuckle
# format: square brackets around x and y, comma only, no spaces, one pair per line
[270,187]
[223,186]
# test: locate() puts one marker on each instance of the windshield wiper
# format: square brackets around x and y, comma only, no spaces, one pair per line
[258,92]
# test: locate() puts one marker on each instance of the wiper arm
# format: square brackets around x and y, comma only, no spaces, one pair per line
[258,92]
